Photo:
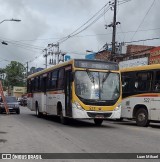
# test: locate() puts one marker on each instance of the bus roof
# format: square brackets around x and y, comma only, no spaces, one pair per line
[51,68]
[67,63]
[139,68]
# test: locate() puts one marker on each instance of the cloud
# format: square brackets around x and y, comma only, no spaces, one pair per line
[32,26]
[57,18]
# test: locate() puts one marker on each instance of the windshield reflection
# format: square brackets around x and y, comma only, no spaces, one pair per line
[97,85]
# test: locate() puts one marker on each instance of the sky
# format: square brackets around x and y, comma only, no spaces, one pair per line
[47,21]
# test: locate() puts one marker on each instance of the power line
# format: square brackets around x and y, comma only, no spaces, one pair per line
[149,39]
[76,32]
[102,14]
[83,28]
[122,2]
[88,35]
[77,53]
[143,18]
[20,44]
[73,33]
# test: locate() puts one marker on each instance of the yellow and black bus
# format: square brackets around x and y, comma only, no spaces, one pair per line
[79,89]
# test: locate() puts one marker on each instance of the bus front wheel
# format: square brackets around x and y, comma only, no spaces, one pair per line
[98,122]
[142,117]
[63,119]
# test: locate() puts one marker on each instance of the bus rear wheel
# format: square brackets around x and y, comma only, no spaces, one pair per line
[38,114]
[98,122]
[142,117]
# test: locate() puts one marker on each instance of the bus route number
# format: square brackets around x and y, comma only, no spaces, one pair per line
[92,108]
[146,99]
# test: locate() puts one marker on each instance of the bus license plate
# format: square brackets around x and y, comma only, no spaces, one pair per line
[99,116]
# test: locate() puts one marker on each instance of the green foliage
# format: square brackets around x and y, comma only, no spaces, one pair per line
[15,74]
[2,71]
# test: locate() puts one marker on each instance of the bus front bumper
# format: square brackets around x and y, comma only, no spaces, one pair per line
[79,113]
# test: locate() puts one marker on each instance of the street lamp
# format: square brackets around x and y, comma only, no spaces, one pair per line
[89,51]
[17,20]
[4,43]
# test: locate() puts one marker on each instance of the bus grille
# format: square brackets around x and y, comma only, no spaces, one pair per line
[93,115]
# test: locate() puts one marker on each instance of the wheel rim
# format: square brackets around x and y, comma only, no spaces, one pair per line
[141,117]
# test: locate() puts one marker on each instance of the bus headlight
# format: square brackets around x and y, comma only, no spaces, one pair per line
[118,107]
[78,106]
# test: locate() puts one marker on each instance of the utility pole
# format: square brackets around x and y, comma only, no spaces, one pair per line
[114,30]
[45,55]
[113,25]
[56,52]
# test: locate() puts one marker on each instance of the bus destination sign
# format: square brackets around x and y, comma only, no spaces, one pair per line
[91,64]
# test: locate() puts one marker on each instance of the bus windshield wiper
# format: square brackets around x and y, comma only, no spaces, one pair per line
[91,77]
[104,79]
[106,76]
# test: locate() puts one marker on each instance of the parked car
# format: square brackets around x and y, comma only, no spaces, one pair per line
[12,103]
[19,99]
[23,101]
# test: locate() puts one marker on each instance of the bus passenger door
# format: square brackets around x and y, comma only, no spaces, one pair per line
[68,91]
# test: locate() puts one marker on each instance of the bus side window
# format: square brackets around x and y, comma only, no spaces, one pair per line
[54,79]
[157,81]
[61,79]
[43,83]
[157,87]
[136,84]
[143,81]
[126,81]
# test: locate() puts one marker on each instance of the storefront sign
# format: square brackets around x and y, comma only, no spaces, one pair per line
[19,89]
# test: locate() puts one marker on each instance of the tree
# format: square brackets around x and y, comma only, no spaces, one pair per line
[2,71]
[15,73]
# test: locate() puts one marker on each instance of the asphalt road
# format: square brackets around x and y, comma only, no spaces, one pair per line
[25,133]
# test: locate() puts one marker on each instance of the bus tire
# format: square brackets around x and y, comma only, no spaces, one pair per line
[63,120]
[120,119]
[142,117]
[38,114]
[98,122]
[18,111]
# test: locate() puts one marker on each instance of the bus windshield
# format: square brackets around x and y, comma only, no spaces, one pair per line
[97,85]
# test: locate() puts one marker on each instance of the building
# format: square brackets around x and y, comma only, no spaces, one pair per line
[133,62]
[103,55]
[137,51]
[154,56]
[34,70]
[130,52]
[19,91]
